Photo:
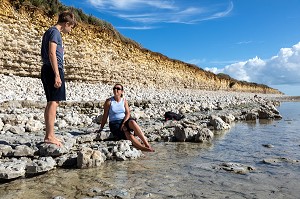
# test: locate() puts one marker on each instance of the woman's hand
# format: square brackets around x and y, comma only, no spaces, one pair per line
[99,130]
[123,127]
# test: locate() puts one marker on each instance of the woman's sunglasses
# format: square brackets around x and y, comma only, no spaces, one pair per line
[117,88]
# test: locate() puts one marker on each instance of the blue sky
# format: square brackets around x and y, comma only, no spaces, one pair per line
[251,40]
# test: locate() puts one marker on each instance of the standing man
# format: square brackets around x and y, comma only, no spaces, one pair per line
[52,73]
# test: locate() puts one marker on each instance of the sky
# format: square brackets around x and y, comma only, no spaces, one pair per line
[250,40]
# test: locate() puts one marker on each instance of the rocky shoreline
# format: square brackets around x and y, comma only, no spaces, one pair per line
[22,102]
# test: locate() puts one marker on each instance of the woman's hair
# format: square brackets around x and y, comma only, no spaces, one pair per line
[121,87]
[67,16]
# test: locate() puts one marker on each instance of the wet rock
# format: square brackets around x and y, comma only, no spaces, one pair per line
[117,193]
[40,165]
[12,168]
[218,123]
[204,135]
[278,116]
[133,153]
[59,197]
[268,145]
[88,158]
[278,160]
[236,168]
[228,118]
[184,134]
[251,116]
[67,160]
[265,114]
[142,195]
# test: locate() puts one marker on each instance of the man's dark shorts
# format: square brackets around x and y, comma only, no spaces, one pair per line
[115,129]
[48,78]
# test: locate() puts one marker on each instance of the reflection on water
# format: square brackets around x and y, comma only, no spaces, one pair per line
[185,170]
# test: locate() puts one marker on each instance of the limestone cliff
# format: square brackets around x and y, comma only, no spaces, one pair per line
[93,54]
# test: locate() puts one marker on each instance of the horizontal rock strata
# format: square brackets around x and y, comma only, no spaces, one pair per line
[94,54]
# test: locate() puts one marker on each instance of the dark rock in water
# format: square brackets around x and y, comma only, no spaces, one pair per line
[278,160]
[67,160]
[117,193]
[184,134]
[268,145]
[236,168]
[251,116]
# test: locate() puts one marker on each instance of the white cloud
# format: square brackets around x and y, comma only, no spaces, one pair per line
[131,4]
[136,27]
[244,42]
[284,68]
[166,11]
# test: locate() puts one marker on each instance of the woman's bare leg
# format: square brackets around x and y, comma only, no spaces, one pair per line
[136,143]
[137,131]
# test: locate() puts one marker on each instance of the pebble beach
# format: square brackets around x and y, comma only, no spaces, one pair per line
[22,101]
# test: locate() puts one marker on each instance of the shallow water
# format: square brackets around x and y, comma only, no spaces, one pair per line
[185,170]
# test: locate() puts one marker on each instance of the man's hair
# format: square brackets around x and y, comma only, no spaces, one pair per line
[67,16]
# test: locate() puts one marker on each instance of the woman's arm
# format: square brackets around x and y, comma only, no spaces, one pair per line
[105,114]
[127,111]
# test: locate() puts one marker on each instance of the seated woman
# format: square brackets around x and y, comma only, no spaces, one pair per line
[120,123]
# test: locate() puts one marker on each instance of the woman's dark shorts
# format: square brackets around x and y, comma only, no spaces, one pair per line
[115,128]
[48,80]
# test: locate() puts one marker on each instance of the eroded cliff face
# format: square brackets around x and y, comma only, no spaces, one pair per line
[93,54]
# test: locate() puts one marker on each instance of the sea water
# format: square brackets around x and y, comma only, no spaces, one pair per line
[189,170]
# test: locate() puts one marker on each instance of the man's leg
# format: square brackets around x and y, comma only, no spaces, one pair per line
[50,114]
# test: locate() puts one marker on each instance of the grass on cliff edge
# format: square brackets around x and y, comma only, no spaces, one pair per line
[53,7]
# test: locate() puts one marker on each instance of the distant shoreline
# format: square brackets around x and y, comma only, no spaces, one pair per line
[288,98]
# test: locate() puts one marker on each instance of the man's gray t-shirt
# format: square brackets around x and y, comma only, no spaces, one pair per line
[52,35]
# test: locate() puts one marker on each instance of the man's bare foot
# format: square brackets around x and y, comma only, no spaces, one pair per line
[53,141]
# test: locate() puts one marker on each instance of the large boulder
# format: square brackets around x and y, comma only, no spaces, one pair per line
[218,123]
[88,158]
[184,134]
[204,135]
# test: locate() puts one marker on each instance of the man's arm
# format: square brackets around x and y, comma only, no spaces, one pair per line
[54,64]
